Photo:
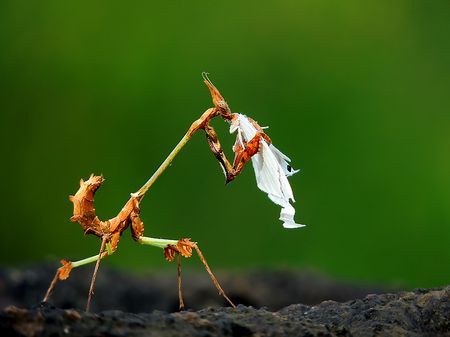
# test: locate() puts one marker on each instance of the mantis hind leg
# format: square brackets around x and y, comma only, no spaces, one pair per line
[63,272]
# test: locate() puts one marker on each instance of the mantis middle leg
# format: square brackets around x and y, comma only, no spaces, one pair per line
[183,247]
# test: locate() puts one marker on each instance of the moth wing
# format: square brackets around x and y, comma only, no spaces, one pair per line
[283,160]
[270,176]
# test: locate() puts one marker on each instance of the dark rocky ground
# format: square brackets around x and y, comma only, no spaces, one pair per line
[145,305]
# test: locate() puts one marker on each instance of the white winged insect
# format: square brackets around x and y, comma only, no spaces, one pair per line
[271,166]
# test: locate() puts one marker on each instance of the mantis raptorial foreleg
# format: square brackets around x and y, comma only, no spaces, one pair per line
[243,152]
[182,247]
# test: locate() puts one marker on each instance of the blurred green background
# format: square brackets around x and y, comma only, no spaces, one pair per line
[356,93]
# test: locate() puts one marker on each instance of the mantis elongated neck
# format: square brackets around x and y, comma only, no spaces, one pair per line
[141,192]
[196,125]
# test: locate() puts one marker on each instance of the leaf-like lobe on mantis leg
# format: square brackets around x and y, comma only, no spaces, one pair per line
[170,251]
[114,241]
[185,247]
[137,226]
[64,271]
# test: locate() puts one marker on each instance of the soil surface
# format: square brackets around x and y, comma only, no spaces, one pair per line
[128,305]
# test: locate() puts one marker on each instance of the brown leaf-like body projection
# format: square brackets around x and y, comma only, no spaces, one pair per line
[83,206]
[219,102]
[84,213]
